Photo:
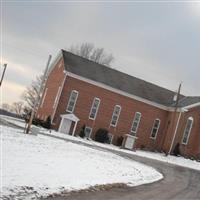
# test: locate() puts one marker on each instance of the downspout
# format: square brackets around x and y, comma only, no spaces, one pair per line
[175,132]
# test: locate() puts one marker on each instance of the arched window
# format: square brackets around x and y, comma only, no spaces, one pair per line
[155,128]
[135,124]
[72,101]
[115,116]
[187,130]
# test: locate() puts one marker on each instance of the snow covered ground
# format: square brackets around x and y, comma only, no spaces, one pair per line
[32,166]
[146,154]
[13,120]
[156,156]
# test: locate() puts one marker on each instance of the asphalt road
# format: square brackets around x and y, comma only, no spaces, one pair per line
[179,183]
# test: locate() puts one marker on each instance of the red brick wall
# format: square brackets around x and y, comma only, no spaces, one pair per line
[192,149]
[88,92]
[54,80]
[193,146]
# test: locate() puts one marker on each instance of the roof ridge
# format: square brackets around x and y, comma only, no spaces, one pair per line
[113,69]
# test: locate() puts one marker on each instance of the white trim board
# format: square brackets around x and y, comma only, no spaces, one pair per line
[104,86]
[192,105]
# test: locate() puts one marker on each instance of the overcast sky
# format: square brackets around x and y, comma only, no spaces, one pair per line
[155,41]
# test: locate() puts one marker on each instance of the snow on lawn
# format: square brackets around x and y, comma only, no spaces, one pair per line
[180,161]
[17,121]
[152,155]
[39,165]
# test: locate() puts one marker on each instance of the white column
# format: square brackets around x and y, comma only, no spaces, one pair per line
[74,128]
[60,125]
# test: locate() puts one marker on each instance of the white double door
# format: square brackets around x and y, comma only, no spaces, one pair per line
[65,126]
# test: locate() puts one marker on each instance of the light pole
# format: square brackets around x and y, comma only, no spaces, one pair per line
[2,76]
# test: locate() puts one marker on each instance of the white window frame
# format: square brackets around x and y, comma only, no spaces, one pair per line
[156,130]
[57,95]
[117,116]
[75,91]
[138,123]
[88,127]
[45,93]
[96,108]
[190,128]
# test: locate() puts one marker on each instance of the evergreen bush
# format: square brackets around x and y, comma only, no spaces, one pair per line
[102,135]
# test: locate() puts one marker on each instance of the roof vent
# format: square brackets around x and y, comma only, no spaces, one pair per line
[175,97]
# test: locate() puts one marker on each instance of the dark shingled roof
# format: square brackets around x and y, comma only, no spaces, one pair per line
[186,101]
[116,79]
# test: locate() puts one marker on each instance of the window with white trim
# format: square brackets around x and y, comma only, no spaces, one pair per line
[94,108]
[88,131]
[188,128]
[45,93]
[72,101]
[115,115]
[155,128]
[57,96]
[135,124]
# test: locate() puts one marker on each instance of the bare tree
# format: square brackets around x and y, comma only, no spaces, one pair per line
[32,92]
[89,51]
[18,107]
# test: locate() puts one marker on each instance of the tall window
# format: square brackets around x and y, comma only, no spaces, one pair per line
[187,130]
[72,101]
[45,93]
[155,128]
[115,115]
[135,124]
[57,96]
[94,108]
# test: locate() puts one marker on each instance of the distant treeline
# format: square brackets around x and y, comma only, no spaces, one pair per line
[10,114]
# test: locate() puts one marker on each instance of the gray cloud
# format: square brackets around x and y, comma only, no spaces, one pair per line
[158,42]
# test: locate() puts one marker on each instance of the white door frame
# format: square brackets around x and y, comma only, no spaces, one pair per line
[70,117]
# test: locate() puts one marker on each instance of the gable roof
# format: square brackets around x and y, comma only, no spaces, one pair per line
[118,80]
[190,100]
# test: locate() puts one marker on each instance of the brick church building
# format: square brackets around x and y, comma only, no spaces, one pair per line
[81,92]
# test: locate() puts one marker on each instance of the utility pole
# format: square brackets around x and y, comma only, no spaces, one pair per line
[175,111]
[38,97]
[4,70]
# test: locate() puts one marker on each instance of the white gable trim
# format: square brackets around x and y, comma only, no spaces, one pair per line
[104,86]
[71,117]
[192,105]
[54,63]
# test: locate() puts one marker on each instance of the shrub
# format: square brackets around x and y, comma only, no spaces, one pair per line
[102,135]
[82,132]
[176,151]
[142,147]
[47,123]
[120,141]
[37,122]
